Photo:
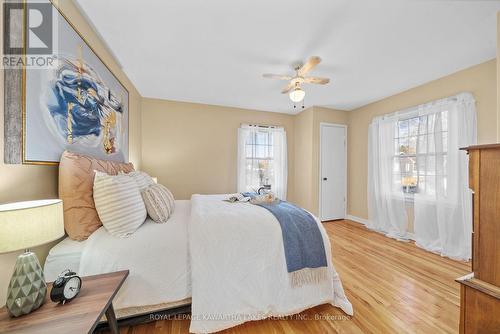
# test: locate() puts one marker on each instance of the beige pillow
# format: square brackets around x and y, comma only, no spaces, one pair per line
[159,202]
[76,180]
[142,179]
[119,204]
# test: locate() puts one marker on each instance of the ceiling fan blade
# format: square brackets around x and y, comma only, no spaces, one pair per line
[309,65]
[276,76]
[288,88]
[316,80]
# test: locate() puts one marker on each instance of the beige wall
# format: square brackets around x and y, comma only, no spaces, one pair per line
[307,125]
[303,127]
[26,182]
[480,80]
[192,148]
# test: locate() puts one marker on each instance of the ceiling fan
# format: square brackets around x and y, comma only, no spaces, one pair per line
[297,94]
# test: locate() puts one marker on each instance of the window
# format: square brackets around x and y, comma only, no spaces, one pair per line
[259,159]
[416,162]
[262,159]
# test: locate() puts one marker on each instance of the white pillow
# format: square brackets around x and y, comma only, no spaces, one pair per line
[142,179]
[118,203]
[159,202]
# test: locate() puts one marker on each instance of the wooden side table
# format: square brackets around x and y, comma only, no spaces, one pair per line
[80,315]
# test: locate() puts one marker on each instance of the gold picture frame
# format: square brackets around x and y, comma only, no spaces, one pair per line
[23,86]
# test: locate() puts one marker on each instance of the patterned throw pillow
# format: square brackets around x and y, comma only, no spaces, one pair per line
[142,179]
[118,203]
[159,202]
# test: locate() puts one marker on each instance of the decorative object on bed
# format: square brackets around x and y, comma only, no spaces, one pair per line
[302,240]
[266,188]
[243,245]
[118,203]
[142,179]
[76,182]
[24,225]
[66,287]
[159,201]
[234,198]
[268,198]
[77,104]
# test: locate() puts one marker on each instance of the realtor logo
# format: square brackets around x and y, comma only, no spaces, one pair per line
[33,45]
[38,28]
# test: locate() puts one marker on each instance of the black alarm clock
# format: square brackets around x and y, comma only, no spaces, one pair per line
[66,287]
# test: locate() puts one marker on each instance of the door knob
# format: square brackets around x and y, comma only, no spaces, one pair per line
[325,178]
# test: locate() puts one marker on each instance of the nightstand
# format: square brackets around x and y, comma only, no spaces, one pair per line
[81,315]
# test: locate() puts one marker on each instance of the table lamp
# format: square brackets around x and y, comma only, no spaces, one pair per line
[24,225]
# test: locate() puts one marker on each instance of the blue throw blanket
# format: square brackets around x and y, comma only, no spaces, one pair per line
[302,240]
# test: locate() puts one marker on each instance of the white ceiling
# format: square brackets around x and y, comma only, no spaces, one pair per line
[215,51]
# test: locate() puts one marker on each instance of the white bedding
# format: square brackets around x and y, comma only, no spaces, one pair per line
[65,255]
[239,269]
[156,255]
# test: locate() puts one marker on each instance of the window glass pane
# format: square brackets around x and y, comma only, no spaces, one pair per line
[431,165]
[422,184]
[414,126]
[403,128]
[412,145]
[444,121]
[422,125]
[403,145]
[259,164]
[445,141]
[261,138]
[440,164]
[422,144]
[431,119]
[431,145]
[250,139]
[421,164]
[408,165]
[261,151]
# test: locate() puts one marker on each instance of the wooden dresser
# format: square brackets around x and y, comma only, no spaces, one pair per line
[480,290]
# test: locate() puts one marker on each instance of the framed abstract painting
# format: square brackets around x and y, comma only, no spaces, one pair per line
[77,104]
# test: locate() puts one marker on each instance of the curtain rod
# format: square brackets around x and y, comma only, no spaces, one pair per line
[461,97]
[261,126]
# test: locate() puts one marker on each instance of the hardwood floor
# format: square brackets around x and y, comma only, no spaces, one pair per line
[394,287]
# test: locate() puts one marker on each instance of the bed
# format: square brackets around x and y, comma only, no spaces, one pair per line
[156,255]
[225,259]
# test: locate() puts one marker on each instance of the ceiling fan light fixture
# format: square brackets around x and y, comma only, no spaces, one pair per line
[297,95]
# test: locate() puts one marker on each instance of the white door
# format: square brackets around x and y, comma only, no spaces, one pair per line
[332,171]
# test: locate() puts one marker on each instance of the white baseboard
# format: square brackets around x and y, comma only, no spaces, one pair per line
[357,219]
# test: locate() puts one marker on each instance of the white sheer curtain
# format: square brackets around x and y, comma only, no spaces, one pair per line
[425,168]
[386,202]
[262,159]
[443,212]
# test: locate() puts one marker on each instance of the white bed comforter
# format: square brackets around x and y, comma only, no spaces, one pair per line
[156,255]
[239,269]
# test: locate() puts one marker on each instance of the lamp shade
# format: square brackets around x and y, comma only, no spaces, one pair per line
[297,94]
[28,224]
